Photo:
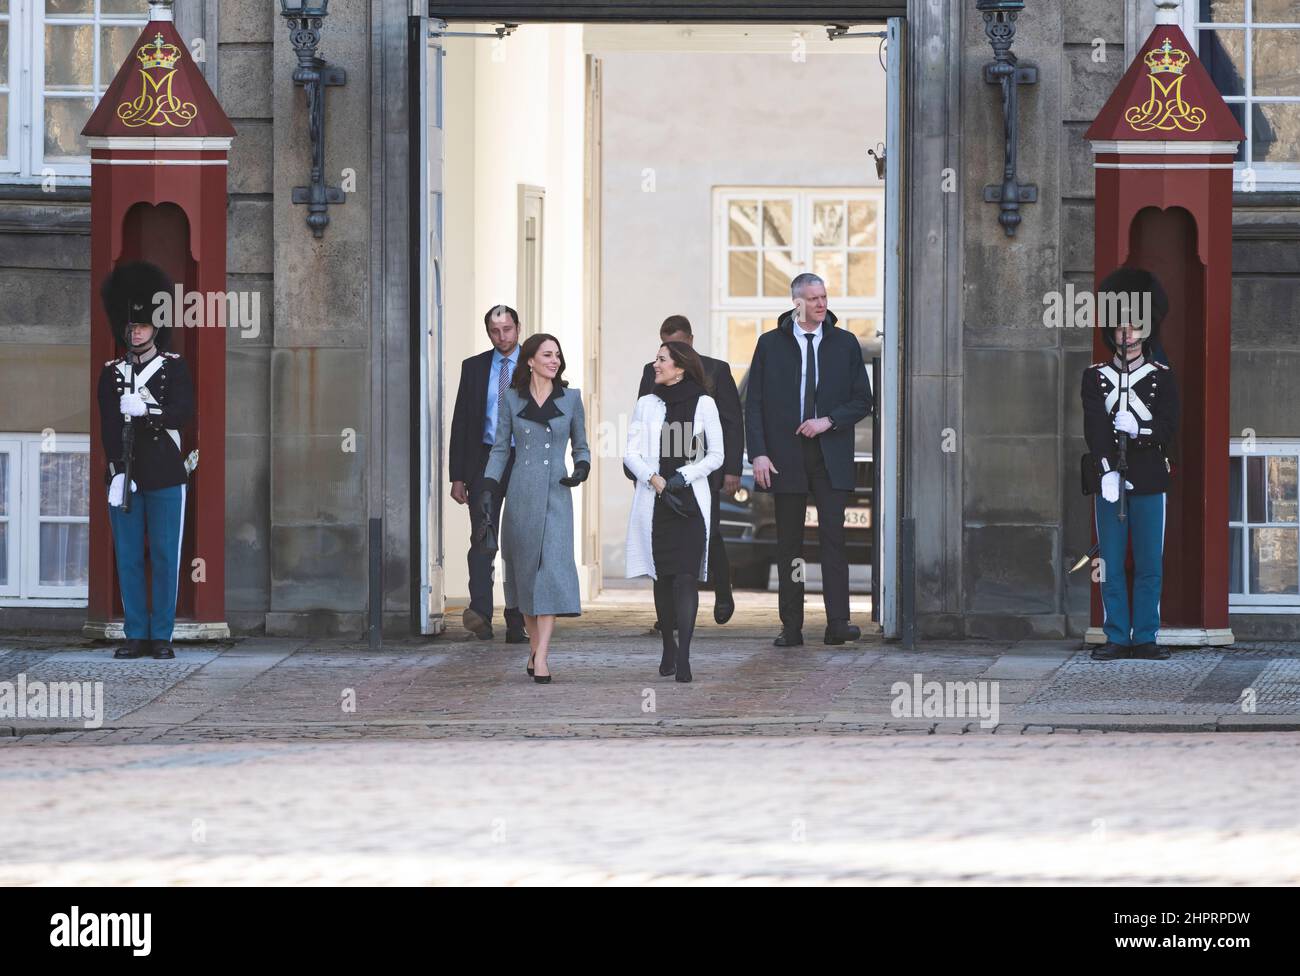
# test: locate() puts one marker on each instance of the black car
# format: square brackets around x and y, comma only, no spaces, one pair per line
[749,516]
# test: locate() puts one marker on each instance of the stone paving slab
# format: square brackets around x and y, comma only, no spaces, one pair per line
[607,685]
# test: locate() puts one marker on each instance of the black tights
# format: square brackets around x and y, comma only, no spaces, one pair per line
[677,600]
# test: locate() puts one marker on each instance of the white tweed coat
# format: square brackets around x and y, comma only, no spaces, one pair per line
[642,459]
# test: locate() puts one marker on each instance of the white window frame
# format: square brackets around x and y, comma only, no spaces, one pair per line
[1258,602]
[804,198]
[1268,176]
[25,162]
[25,588]
[12,448]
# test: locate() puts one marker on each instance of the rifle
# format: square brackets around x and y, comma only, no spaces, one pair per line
[1121,462]
[128,447]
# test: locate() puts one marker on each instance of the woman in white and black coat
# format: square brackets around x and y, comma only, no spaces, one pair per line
[674,443]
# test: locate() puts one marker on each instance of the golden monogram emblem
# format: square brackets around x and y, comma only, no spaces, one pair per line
[1165,109]
[156,105]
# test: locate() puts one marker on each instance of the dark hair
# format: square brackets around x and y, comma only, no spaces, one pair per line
[675,323]
[519,382]
[499,310]
[688,359]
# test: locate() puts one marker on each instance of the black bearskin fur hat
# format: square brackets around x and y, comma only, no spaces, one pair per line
[128,295]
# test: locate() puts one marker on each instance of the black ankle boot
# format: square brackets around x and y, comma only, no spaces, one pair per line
[668,663]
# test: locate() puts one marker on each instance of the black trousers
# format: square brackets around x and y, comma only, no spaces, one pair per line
[719,566]
[481,567]
[790,513]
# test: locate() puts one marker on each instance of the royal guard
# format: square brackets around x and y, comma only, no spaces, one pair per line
[145,399]
[1130,415]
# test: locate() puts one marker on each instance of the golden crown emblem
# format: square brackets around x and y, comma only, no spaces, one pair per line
[158,54]
[1166,59]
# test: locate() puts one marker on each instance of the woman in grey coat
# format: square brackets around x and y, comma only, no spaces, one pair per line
[541,414]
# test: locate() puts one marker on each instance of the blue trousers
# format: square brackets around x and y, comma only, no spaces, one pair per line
[1146,526]
[161,513]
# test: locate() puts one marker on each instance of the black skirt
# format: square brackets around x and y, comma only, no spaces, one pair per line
[676,541]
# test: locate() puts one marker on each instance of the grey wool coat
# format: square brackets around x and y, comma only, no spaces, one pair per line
[536,536]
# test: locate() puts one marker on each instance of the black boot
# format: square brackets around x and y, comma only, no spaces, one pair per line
[686,604]
[663,587]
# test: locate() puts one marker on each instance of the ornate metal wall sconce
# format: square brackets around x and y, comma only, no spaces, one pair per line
[1005,71]
[314,75]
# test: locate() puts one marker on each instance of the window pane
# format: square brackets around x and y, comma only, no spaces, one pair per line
[769,325]
[1234,489]
[863,328]
[65,480]
[1275,12]
[828,222]
[4,553]
[4,126]
[1224,11]
[1276,54]
[778,223]
[64,120]
[1255,488]
[1234,561]
[830,266]
[1282,488]
[119,8]
[114,48]
[1224,55]
[862,223]
[743,218]
[54,8]
[862,274]
[1238,110]
[1273,566]
[743,269]
[778,271]
[64,554]
[4,52]
[742,336]
[1276,135]
[4,484]
[69,56]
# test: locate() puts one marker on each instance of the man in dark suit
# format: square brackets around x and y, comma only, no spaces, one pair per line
[808,387]
[483,381]
[677,328]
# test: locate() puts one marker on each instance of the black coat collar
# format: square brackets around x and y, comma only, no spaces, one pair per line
[549,409]
[786,323]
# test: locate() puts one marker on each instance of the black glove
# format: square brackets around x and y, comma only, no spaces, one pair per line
[580,471]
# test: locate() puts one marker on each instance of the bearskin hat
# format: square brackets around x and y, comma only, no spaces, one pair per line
[1128,280]
[128,295]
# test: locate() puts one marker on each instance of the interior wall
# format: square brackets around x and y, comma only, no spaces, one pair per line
[513,112]
[768,120]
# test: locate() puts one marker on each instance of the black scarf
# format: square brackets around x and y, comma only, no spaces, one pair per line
[677,440]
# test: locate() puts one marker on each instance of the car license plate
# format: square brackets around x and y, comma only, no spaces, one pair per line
[854,518]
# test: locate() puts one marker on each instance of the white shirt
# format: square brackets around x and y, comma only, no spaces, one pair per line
[799,334]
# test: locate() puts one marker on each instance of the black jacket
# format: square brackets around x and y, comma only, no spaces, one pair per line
[724,393]
[1153,401]
[772,399]
[464,461]
[158,461]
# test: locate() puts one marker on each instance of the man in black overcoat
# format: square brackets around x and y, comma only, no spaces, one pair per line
[808,387]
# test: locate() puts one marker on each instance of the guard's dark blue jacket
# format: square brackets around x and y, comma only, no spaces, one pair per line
[169,396]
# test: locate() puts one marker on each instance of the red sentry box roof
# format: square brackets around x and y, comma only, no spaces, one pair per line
[1166,105]
[159,92]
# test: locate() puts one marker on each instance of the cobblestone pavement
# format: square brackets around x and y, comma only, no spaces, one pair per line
[606,685]
[1082,808]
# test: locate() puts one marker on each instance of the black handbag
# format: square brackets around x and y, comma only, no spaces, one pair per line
[675,501]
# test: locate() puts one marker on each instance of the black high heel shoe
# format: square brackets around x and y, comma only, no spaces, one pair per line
[529,666]
[542,679]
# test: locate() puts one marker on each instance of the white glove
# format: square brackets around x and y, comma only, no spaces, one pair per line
[132,405]
[1110,486]
[1127,423]
[115,489]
